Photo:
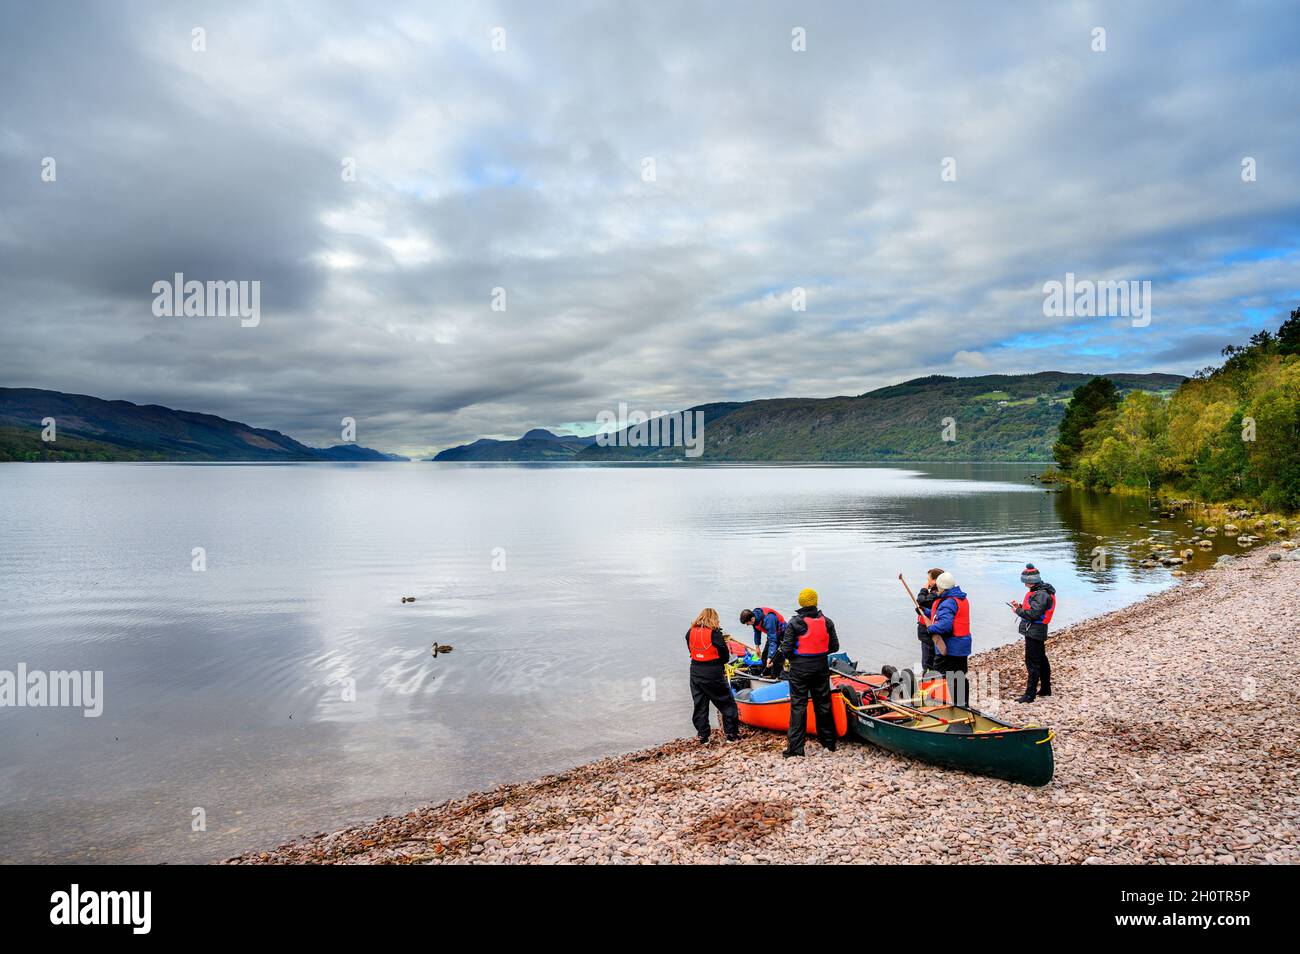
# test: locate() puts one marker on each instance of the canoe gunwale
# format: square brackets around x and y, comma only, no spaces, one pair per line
[1015,755]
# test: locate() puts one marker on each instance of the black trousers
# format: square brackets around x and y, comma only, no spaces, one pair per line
[950,663]
[954,671]
[1039,669]
[709,684]
[927,655]
[810,680]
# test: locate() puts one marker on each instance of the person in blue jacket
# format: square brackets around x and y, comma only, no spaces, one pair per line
[766,622]
[950,620]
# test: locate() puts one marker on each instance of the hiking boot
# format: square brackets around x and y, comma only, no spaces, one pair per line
[787,754]
[1025,698]
[702,739]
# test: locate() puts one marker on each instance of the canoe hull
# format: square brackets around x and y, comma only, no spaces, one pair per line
[1020,755]
[776,715]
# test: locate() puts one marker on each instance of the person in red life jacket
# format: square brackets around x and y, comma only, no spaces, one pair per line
[950,622]
[1035,612]
[709,657]
[809,639]
[925,598]
[766,622]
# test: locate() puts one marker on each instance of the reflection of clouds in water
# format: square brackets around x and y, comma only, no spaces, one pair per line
[405,679]
[607,568]
[410,672]
[511,672]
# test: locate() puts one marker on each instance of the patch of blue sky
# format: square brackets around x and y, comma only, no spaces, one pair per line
[1241,256]
[1263,253]
[422,187]
[1038,341]
[1058,349]
[483,168]
[1098,351]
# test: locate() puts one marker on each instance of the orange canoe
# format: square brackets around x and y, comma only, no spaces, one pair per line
[933,691]
[776,714]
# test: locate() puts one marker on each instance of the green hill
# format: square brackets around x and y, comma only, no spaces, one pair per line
[90,428]
[995,417]
[537,444]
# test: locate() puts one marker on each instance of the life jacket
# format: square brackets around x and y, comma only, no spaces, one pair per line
[934,692]
[1051,608]
[816,641]
[759,631]
[960,622]
[701,643]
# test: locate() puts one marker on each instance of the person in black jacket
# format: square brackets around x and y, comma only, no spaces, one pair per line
[808,641]
[925,598]
[709,655]
[1035,612]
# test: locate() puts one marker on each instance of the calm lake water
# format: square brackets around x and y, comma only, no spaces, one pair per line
[226,690]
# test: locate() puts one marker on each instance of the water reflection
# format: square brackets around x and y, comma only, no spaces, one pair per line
[228,689]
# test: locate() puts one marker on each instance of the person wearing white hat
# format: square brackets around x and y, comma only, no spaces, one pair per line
[950,620]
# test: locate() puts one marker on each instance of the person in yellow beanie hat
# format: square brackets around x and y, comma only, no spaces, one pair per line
[808,642]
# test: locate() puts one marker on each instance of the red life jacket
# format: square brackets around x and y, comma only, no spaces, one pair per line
[701,643]
[759,631]
[960,622]
[1051,608]
[816,641]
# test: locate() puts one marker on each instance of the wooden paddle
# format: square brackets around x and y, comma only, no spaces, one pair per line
[938,640]
[910,595]
[890,704]
[917,713]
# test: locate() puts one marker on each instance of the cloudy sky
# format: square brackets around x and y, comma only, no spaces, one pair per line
[525,169]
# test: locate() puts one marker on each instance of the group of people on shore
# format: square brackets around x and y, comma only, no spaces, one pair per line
[799,650]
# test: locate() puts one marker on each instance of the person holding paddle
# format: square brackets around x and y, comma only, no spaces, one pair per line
[924,601]
[709,655]
[950,625]
[808,642]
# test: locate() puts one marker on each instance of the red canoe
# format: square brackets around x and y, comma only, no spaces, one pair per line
[776,714]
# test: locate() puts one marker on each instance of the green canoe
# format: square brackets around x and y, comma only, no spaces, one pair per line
[959,738]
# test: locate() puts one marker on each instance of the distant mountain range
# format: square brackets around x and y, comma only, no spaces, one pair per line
[992,417]
[89,428]
[537,444]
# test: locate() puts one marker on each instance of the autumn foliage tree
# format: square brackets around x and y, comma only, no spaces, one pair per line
[1229,433]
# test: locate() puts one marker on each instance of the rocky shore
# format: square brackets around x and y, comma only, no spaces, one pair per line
[1176,742]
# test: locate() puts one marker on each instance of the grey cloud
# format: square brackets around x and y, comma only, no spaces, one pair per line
[523,169]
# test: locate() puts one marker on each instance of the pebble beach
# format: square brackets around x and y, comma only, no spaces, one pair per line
[1175,743]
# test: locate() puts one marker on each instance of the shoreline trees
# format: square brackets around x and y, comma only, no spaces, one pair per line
[1228,433]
